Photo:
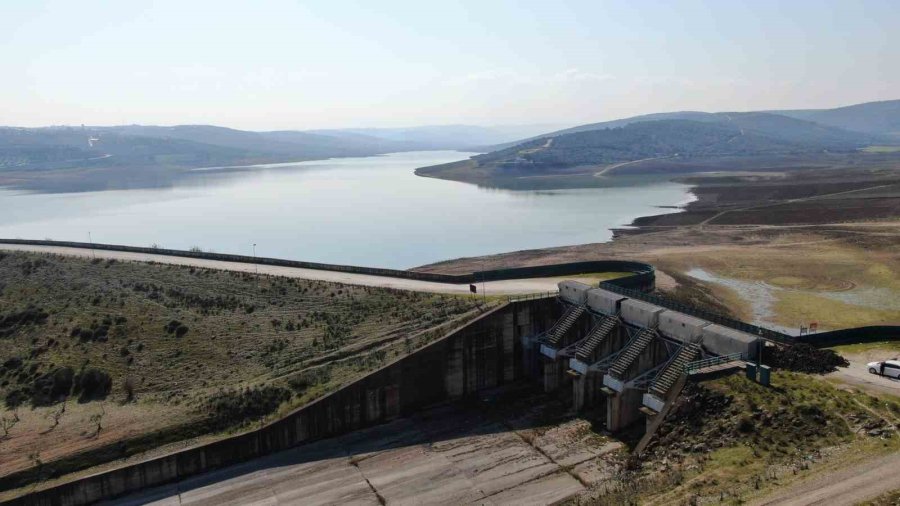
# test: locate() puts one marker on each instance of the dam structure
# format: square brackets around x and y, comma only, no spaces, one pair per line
[615,349]
[628,354]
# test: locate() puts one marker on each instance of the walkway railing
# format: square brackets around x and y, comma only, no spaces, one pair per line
[532,296]
[696,365]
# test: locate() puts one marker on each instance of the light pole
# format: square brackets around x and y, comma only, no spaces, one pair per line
[255,265]
[91,240]
[483,292]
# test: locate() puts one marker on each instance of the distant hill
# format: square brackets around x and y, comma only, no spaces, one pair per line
[463,137]
[191,146]
[744,134]
[872,117]
[680,141]
[673,139]
[880,119]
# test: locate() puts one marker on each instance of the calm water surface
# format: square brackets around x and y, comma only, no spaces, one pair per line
[363,211]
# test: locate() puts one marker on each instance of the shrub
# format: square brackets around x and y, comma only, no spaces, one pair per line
[92,384]
[53,387]
[238,407]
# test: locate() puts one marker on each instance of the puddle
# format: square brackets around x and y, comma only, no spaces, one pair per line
[760,295]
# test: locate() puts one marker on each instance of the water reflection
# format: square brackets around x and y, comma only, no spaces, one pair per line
[364,211]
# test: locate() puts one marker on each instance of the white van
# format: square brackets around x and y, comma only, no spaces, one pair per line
[891,368]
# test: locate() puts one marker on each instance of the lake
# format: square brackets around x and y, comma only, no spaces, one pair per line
[370,211]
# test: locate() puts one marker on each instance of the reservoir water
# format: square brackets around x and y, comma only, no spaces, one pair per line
[371,211]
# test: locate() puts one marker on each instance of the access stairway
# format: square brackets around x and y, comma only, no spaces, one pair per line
[568,319]
[632,351]
[674,369]
[599,334]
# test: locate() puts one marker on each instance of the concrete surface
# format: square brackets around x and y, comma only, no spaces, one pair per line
[640,313]
[446,455]
[513,286]
[725,341]
[574,292]
[603,301]
[683,327]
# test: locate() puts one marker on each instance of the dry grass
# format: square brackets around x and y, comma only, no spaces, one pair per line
[799,427]
[241,331]
[802,278]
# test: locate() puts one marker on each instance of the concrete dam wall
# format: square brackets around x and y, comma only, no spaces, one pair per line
[485,353]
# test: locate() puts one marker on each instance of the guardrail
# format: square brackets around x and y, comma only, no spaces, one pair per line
[696,365]
[642,278]
[531,296]
[871,334]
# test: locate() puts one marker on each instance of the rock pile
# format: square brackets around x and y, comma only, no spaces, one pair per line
[804,358]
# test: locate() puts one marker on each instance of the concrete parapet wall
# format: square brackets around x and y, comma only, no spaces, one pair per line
[641,314]
[604,301]
[482,354]
[725,341]
[685,328]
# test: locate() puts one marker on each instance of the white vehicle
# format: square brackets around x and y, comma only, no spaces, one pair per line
[889,368]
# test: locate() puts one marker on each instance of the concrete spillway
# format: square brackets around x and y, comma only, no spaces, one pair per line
[592,345]
[630,354]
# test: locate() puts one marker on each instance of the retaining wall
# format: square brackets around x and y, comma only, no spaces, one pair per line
[483,354]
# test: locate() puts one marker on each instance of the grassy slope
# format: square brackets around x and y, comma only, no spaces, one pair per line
[741,440]
[242,332]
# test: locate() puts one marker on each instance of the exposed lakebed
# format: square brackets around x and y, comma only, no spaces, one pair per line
[370,211]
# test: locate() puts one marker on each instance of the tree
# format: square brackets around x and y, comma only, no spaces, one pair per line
[55,416]
[97,420]
[7,422]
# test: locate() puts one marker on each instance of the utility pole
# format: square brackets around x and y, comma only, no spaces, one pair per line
[255,267]
[483,291]
[759,351]
[91,240]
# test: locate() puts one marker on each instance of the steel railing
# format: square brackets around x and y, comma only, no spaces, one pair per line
[531,296]
[709,362]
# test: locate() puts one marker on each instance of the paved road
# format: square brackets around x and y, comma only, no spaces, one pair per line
[513,286]
[847,486]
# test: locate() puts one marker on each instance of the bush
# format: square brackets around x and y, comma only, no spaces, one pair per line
[92,384]
[52,387]
[238,407]
[15,398]
[177,328]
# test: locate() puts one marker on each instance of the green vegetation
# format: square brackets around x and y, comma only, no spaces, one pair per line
[176,352]
[731,439]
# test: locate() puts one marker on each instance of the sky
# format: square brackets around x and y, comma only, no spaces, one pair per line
[278,64]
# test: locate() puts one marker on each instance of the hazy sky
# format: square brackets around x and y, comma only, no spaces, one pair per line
[273,64]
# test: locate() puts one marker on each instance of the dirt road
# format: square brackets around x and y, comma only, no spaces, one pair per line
[844,487]
[512,286]
[858,374]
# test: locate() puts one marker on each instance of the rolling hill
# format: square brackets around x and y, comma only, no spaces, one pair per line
[679,137]
[872,117]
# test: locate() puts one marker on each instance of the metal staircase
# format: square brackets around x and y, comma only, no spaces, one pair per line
[675,368]
[568,319]
[595,338]
[631,352]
